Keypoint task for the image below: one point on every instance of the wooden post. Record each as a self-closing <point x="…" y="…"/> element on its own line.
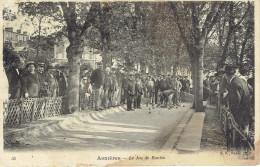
<point x="45" y="108"/>
<point x="235" y="141"/>
<point x="34" y="109"/>
<point x="21" y="112"/>
<point x="229" y="135"/>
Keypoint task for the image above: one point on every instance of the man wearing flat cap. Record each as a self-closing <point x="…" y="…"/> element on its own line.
<point x="31" y="85"/>
<point x="239" y="96"/>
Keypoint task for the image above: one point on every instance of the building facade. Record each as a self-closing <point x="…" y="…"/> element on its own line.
<point x="17" y="38"/>
<point x="89" y="56"/>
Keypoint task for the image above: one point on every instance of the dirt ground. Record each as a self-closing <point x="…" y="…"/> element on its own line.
<point x="135" y="130"/>
<point x="213" y="138"/>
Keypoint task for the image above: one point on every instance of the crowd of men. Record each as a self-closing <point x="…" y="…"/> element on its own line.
<point x="110" y="87"/>
<point x="113" y="87"/>
<point x="234" y="87"/>
<point x="35" y="80"/>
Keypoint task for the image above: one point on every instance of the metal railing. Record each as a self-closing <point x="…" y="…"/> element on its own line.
<point x="234" y="133"/>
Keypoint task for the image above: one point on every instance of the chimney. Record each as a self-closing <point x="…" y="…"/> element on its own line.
<point x="9" y="29"/>
<point x="25" y="33"/>
<point x="19" y="31"/>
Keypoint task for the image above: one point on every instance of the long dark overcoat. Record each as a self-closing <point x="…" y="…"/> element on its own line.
<point x="239" y="99"/>
<point x="31" y="85"/>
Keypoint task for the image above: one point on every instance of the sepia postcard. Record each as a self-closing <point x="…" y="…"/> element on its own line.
<point x="129" y="83"/>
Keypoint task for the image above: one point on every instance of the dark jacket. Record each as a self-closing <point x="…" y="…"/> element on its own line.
<point x="130" y="87"/>
<point x="63" y="84"/>
<point x="163" y="85"/>
<point x="31" y="85"/>
<point x="239" y="99"/>
<point x="96" y="78"/>
<point x="15" y="83"/>
<point x="156" y="84"/>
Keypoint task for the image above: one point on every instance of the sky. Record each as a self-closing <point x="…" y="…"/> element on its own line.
<point x="20" y="22"/>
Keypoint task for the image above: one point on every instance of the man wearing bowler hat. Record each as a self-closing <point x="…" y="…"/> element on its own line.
<point x="239" y="96"/>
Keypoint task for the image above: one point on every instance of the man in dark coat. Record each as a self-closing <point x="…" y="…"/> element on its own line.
<point x="14" y="76"/>
<point x="96" y="79"/>
<point x="138" y="91"/>
<point x="31" y="85"/>
<point x="239" y="100"/>
<point x="62" y="81"/>
<point x="42" y="79"/>
<point x="162" y="87"/>
<point x="130" y="91"/>
<point x="156" y="85"/>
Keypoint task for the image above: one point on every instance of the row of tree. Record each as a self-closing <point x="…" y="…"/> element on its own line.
<point x="154" y="34"/>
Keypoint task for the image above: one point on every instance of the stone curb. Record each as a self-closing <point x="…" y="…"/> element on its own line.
<point x="171" y="142"/>
<point x="190" y="139"/>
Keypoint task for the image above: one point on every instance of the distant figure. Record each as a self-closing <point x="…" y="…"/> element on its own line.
<point x="42" y="79"/>
<point x="138" y="91"/>
<point x="53" y="86"/>
<point x="85" y="92"/>
<point x="176" y="86"/>
<point x="107" y="89"/>
<point x="62" y="81"/>
<point x="130" y="92"/>
<point x="97" y="80"/>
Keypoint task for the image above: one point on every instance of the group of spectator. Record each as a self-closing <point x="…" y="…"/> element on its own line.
<point x="109" y="87"/>
<point x="234" y="88"/>
<point x="112" y="87"/>
<point x="35" y="80"/>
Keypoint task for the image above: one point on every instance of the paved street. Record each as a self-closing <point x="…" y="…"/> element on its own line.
<point x="127" y="130"/>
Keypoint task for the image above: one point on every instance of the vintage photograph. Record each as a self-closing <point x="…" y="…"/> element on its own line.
<point x="113" y="79"/>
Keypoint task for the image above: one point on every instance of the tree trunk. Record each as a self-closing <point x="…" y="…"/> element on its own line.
<point x="39" y="37"/>
<point x="74" y="53"/>
<point x="197" y="75"/>
<point x="199" y="93"/>
<point x="194" y="77"/>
